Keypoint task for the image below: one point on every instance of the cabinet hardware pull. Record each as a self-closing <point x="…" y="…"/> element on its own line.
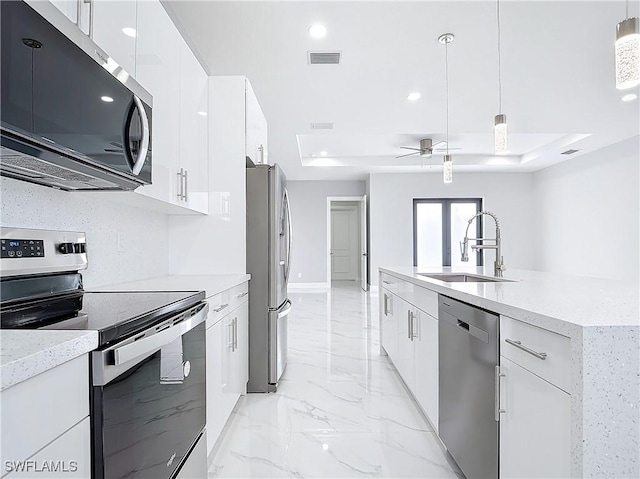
<point x="499" y="410"/>
<point x="519" y="345"/>
<point x="235" y="333"/>
<point x="241" y="295"/>
<point x="186" y="185"/>
<point x="180" y="184"/>
<point x="221" y="308"/>
<point x="410" y="325"/>
<point x="386" y="282"/>
<point x="414" y="324"/>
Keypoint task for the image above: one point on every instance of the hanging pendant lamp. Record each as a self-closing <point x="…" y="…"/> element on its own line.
<point x="501" y="144"/>
<point x="447" y="167"/>
<point x="627" y="52"/>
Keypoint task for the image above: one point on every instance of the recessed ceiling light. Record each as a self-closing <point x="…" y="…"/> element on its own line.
<point x="317" y="30"/>
<point x="107" y="99"/>
<point x="413" y="96"/>
<point x="130" y="32"/>
<point x="629" y="97"/>
<point x="202" y="113"/>
<point x="323" y="153"/>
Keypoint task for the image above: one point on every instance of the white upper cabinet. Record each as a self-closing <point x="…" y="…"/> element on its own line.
<point x="68" y="7"/>
<point x="157" y="70"/>
<point x="194" y="98"/>
<point x="115" y="30"/>
<point x="255" y="128"/>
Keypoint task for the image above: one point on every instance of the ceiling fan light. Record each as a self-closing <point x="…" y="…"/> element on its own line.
<point x="500" y="134"/>
<point x="627" y="54"/>
<point x="447" y="170"/>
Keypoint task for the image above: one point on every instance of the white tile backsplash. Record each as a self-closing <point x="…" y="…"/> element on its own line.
<point x="145" y="232"/>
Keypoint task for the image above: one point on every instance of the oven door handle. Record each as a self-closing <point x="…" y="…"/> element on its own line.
<point x="149" y="344"/>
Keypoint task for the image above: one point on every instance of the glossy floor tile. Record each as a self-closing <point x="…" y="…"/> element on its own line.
<point x="340" y="410"/>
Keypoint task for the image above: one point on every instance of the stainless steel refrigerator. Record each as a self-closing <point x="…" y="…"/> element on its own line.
<point x="268" y="262"/>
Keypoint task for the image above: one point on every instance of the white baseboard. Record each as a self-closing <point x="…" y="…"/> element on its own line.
<point x="309" y="286"/>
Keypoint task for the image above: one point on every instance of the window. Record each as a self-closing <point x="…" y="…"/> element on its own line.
<point x="438" y="228"/>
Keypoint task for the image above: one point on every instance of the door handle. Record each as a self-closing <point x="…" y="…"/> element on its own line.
<point x="410" y="325"/>
<point x="186" y="185"/>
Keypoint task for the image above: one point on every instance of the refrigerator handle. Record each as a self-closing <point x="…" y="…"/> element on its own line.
<point x="286" y="310"/>
<point x="289" y="235"/>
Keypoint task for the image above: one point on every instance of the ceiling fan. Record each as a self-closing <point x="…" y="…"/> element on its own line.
<point x="426" y="148"/>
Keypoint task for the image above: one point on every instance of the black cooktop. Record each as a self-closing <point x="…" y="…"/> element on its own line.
<point x="118" y="315"/>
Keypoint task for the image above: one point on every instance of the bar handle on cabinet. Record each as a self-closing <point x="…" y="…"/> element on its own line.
<point x="384" y="304"/>
<point x="217" y="310"/>
<point x="180" y="183"/>
<point x="410" y="325"/>
<point x="242" y="295"/>
<point x="498" y="403"/>
<point x="519" y="345"/>
<point x="235" y="333"/>
<point x="186" y="185"/>
<point x="414" y="324"/>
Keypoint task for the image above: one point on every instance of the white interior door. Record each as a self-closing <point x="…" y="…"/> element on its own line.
<point x="344" y="243"/>
<point x="364" y="252"/>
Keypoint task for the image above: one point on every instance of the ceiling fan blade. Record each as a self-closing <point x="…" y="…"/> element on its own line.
<point x="444" y="148"/>
<point x="408" y="148"/>
<point x="408" y="154"/>
<point x="437" y="145"/>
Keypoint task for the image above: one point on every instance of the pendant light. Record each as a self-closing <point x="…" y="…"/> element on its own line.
<point x="447" y="167"/>
<point x="627" y="52"/>
<point x="500" y="123"/>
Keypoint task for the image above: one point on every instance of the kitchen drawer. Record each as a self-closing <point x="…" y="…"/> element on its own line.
<point x="40" y="409"/>
<point x="389" y="282"/>
<point x="555" y="368"/>
<point x="219" y="306"/>
<point x="239" y="294"/>
<point x="422" y="298"/>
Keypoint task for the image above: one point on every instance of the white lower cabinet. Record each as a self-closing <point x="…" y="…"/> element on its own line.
<point x="426" y="360"/>
<point x="227" y="368"/>
<point x="535" y="432"/>
<point x="409" y="335"/>
<point x="46" y="419"/>
<point x="389" y="329"/>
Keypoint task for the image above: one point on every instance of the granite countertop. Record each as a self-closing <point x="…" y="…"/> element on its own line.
<point x="211" y="284"/>
<point x="24" y="354"/>
<point x="552" y="301"/>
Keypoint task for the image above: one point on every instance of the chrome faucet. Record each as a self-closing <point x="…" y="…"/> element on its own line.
<point x="498" y="265"/>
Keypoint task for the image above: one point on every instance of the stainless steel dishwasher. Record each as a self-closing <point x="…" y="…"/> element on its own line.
<point x="468" y="355"/>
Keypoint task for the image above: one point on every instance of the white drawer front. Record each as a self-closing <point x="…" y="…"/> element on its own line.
<point x="389" y="282"/>
<point x="239" y="294"/>
<point x="535" y="342"/>
<point x="219" y="306"/>
<point x="40" y="409"/>
<point x="68" y="457"/>
<point x="422" y="298"/>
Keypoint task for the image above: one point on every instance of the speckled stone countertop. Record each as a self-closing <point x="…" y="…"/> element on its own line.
<point x="211" y="284"/>
<point x="602" y="318"/>
<point x="24" y="354"/>
<point x="556" y="302"/>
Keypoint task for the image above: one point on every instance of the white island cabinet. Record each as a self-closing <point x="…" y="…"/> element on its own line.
<point x="566" y="385"/>
<point x="409" y="332"/>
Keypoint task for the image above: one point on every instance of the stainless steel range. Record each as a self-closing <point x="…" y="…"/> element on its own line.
<point x="148" y="375"/>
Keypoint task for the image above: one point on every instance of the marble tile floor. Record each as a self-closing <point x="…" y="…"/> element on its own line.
<point x="340" y="410"/>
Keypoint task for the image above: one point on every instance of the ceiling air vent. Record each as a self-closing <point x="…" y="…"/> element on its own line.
<point x="569" y="152"/>
<point x="324" y="58"/>
<point x="322" y="126"/>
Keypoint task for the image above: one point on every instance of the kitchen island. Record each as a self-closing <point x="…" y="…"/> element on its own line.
<point x="595" y="320"/>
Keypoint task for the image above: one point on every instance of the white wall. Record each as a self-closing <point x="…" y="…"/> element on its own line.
<point x="508" y="195"/>
<point x="587" y="214"/>
<point x="216" y="243"/>
<point x="309" y="219"/>
<point x="146" y="249"/>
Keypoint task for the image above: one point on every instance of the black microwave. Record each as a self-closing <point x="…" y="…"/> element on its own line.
<point x="71" y="117"/>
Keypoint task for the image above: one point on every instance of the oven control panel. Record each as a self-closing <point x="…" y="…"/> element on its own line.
<point x="21" y="248"/>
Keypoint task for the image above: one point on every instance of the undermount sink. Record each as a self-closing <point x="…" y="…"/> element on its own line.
<point x="463" y="278"/>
